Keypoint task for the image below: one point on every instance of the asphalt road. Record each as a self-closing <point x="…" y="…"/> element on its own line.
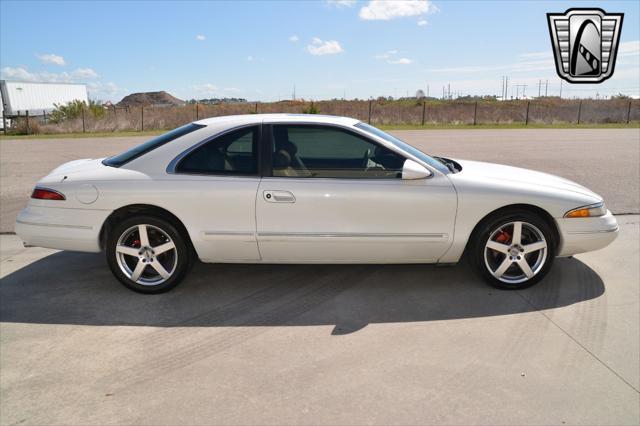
<point x="296" y="344"/>
<point x="605" y="160"/>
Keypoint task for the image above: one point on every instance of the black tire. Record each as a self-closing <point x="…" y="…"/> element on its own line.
<point x="502" y="223"/>
<point x="159" y="231"/>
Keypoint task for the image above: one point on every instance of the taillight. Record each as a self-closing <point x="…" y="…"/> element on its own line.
<point x="47" y="194"/>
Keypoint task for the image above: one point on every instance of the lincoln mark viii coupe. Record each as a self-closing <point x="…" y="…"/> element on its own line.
<point x="288" y="188"/>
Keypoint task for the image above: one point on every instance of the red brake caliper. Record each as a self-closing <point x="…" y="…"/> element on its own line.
<point x="503" y="237"/>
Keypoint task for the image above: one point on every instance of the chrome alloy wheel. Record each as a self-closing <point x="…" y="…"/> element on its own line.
<point x="146" y="255"/>
<point x="515" y="252"/>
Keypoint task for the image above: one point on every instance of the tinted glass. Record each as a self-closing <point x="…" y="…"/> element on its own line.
<point x="231" y="154"/>
<point x="329" y="152"/>
<point x="404" y="146"/>
<point x="137" y="151"/>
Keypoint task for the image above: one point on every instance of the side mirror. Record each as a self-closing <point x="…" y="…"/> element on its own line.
<point x="412" y="170"/>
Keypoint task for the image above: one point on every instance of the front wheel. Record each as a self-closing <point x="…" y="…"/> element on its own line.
<point x="514" y="251"/>
<point x="147" y="254"/>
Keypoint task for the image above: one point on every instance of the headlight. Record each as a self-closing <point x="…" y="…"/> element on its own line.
<point x="594" y="210"/>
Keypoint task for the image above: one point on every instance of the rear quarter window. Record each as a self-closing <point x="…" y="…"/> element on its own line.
<point x="150" y="145"/>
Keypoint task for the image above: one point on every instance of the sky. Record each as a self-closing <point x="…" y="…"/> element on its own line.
<point x="259" y="50"/>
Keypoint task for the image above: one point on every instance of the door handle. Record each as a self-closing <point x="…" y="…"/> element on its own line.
<point x="279" y="196"/>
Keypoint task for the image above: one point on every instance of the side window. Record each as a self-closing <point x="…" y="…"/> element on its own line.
<point x="328" y="152"/>
<point x="230" y="154"/>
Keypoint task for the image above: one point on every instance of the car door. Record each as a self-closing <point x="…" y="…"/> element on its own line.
<point x="213" y="189"/>
<point x="335" y="196"/>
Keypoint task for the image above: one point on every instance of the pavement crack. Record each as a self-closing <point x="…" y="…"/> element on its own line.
<point x="577" y="342"/>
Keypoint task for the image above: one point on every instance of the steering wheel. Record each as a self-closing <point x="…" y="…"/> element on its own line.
<point x="365" y="159"/>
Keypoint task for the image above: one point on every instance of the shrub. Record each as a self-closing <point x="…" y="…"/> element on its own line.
<point x="310" y="110"/>
<point x="74" y="109"/>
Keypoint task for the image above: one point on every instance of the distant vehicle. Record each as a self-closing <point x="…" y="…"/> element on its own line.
<point x="307" y="189"/>
<point x="18" y="97"/>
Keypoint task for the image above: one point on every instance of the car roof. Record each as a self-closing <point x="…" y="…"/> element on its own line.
<point x="275" y="118"/>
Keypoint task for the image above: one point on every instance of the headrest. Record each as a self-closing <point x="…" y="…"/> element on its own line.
<point x="281" y="159"/>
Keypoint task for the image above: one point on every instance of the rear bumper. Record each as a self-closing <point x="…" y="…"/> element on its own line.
<point x="61" y="228"/>
<point x="580" y="235"/>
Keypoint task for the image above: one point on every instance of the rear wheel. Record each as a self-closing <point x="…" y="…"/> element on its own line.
<point x="514" y="250"/>
<point x="147" y="254"/>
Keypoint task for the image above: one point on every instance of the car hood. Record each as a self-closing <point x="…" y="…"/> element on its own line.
<point x="518" y="175"/>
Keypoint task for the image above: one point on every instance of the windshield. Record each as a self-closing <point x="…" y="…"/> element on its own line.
<point x="137" y="151"/>
<point x="404" y="146"/>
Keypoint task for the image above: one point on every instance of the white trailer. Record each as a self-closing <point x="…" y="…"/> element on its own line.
<point x="38" y="98"/>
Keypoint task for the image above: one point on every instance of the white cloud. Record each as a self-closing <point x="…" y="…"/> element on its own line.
<point x="201" y="37"/>
<point x="294" y="38"/>
<point x="249" y="58"/>
<point x="23" y="74"/>
<point x="50" y="58"/>
<point x="84" y="73"/>
<point x="98" y="90"/>
<point x="401" y="61"/>
<point x="341" y="3"/>
<point x="319" y="47"/>
<point x="422" y="23"/>
<point x="390" y="57"/>
<point x="205" y="89"/>
<point x="629" y="48"/>
<point x="209" y="89"/>
<point x="386" y="54"/>
<point x="383" y="10"/>
<point x="519" y="66"/>
<point x="536" y="55"/>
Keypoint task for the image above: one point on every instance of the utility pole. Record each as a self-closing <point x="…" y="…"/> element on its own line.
<point x="506" y="86"/>
<point x="539" y="87"/>
<point x="293" y="96"/>
<point x="560" y="89"/>
<point x="546" y="87"/>
<point x="449" y="90"/>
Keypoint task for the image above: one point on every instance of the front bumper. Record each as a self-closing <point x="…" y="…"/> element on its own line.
<point x="61" y="228"/>
<point x="580" y="235"/>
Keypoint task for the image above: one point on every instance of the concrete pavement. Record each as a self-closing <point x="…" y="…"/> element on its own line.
<point x="296" y="344"/>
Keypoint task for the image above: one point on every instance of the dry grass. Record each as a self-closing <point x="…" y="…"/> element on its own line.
<point x="551" y="111"/>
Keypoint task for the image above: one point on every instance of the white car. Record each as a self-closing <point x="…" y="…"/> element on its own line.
<point x="288" y="188"/>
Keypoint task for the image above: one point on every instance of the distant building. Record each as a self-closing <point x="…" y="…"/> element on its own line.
<point x="18" y="97"/>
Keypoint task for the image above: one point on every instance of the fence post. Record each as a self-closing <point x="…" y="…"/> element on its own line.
<point x="142" y="119"/>
<point x="423" y="111"/>
<point x="44" y="113"/>
<point x="28" y="130"/>
<point x="115" y="114"/>
<point x="369" y="120"/>
<point x="526" y="120"/>
<point x="197" y="112"/>
<point x="629" y="112"/>
<point x="256" y="111"/>
<point x="83" y="126"/>
<point x="579" y="111"/>
<point x="475" y="113"/>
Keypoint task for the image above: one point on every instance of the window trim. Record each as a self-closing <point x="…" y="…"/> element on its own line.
<point x="173" y="164"/>
<point x="269" y="140"/>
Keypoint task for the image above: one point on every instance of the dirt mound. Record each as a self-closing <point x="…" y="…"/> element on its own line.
<point x="148" y="99"/>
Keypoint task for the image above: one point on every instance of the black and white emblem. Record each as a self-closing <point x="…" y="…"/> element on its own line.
<point x="585" y="44"/>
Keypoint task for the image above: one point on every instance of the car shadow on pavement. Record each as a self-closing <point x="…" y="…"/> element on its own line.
<point x="78" y="288"/>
